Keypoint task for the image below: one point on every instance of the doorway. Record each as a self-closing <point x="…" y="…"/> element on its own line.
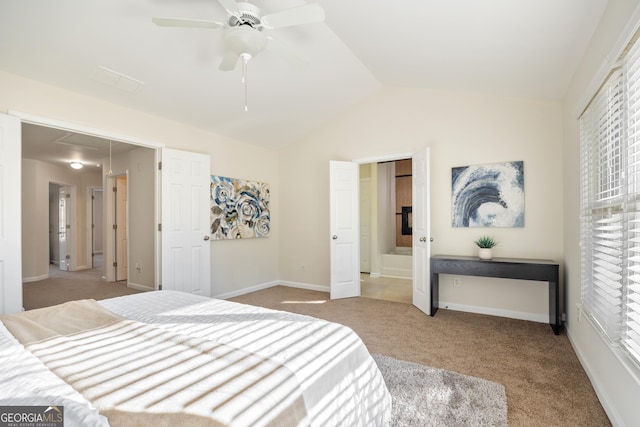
<point x="46" y="155"/>
<point x="385" y="230"/>
<point x="60" y="225"/>
<point x="97" y="226"/>
<point x="344" y="226"/>
<point x="120" y="247"/>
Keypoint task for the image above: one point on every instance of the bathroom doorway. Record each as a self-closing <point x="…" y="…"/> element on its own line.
<point x="386" y="261"/>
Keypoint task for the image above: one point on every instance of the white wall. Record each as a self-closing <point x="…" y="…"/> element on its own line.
<point x="235" y="264"/>
<point x="461" y="129"/>
<point x="617" y="383"/>
<point x="36" y="177"/>
<point x="140" y="169"/>
<point x="142" y="229"/>
<point x="386" y="207"/>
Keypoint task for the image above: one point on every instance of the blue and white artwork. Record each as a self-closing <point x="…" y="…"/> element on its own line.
<point x="239" y="208"/>
<point x="488" y="195"/>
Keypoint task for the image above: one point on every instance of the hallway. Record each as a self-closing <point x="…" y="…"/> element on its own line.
<point x="63" y="286"/>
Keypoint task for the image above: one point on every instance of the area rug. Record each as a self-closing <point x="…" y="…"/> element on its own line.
<point x="425" y="396"/>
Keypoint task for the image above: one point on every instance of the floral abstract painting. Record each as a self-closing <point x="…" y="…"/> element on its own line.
<point x="488" y="195"/>
<point x="239" y="208"/>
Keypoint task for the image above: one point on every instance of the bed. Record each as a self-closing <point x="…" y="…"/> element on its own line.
<point x="172" y="358"/>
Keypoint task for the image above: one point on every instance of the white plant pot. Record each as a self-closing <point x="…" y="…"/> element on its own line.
<point x="485" y="253"/>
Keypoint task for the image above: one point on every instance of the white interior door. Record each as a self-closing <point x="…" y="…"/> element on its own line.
<point x="63" y="227"/>
<point x="122" y="245"/>
<point x="97" y="203"/>
<point x="344" y="227"/>
<point x="421" y="231"/>
<point x="10" y="220"/>
<point x="186" y="250"/>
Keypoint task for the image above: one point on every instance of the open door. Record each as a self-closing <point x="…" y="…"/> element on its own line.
<point x="120" y="228"/>
<point x="186" y="250"/>
<point x="64" y="227"/>
<point x="344" y="227"/>
<point x="97" y="229"/>
<point x="10" y="220"/>
<point x="421" y="231"/>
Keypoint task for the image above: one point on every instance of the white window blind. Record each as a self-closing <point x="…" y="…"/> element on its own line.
<point x="610" y="205"/>
<point x="602" y="205"/>
<point x="631" y="302"/>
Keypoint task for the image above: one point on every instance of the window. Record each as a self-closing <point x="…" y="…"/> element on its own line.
<point x="610" y="205"/>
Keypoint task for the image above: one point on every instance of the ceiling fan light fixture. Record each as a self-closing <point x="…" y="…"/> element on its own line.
<point x="244" y="39"/>
<point x="76" y="165"/>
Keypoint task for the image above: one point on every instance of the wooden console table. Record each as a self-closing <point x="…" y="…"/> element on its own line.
<point x="507" y="268"/>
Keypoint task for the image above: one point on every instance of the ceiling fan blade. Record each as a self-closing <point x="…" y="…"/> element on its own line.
<point x="304" y="14"/>
<point x="186" y="23"/>
<point x="229" y="61"/>
<point x="285" y="51"/>
<point x="231" y="7"/>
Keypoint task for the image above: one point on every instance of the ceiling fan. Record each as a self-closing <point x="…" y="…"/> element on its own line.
<point x="243" y="29"/>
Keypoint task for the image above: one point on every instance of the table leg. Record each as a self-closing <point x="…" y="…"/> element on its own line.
<point x="554" y="307"/>
<point x="434" y="293"/>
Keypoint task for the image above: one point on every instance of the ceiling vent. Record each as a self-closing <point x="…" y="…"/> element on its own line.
<point x="117" y="80"/>
<point x="86" y="142"/>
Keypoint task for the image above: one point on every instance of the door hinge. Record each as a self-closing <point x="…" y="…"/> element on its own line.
<point x="160" y="287"/>
<point x="115" y="226"/>
<point x="115" y="189"/>
<point x="115" y="264"/>
<point x="159" y="166"/>
<point x="159" y="227"/>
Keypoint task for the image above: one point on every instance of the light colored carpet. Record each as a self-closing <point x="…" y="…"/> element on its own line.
<point x="544" y="381"/>
<point x="63" y="286"/>
<point x="429" y="397"/>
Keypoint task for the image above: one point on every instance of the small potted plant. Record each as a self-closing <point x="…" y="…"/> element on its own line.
<point x="485" y="243"/>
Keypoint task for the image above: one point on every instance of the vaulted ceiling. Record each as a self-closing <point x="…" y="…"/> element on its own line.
<point x="112" y="50"/>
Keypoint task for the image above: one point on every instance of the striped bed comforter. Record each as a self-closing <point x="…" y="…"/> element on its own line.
<point x="174" y="358"/>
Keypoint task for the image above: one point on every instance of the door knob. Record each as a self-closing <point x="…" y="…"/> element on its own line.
<point x="334" y="237"/>
<point x="206" y="237"/>
<point x="423" y="239"/>
<point x="431" y="239"/>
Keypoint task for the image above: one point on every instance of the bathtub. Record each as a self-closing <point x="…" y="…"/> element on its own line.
<point x="398" y="263"/>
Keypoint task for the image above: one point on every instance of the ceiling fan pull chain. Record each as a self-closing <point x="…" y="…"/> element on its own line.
<point x="245" y="60"/>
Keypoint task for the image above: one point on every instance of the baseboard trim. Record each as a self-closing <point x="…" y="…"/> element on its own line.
<point x="520" y="315"/>
<point x="399" y="273"/>
<point x="601" y="392"/>
<point x="541" y="318"/>
<point x="267" y="285"/>
<point x="139" y="287"/>
<point x="34" y="278"/>
<point x="248" y="290"/>
<point x="607" y="400"/>
<point x="309" y="286"/>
